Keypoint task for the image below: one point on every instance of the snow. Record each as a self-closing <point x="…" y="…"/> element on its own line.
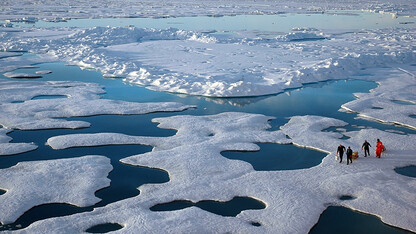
<point x="303" y="194"/>
<point x="73" y="181"/>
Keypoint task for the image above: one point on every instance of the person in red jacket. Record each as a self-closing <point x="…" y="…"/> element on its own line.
<point x="379" y="148"/>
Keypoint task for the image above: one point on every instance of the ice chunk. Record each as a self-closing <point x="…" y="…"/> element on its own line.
<point x="43" y="72"/>
<point x="71" y="181"/>
<point x="304" y="35"/>
<point x="21" y="75"/>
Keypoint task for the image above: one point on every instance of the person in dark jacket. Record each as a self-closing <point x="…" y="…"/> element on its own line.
<point x="349" y="155"/>
<point x="340" y="152"/>
<point x="366" y="146"/>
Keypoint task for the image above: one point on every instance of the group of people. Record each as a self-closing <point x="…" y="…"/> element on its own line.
<point x="366" y="147"/>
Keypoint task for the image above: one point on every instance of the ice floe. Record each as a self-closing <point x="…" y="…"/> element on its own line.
<point x="43" y="72"/>
<point x="73" y="181"/>
<point x="198" y="172"/>
<point x="381" y="104"/>
<point x="21" y="75"/>
<point x="18" y="111"/>
<point x="7" y="148"/>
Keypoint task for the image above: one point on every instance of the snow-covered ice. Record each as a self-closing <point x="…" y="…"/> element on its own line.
<point x="43" y="72"/>
<point x="18" y="111"/>
<point x="7" y="148"/>
<point x="73" y="181"/>
<point x="399" y="85"/>
<point x="303" y="194"/>
<point x="21" y="75"/>
<point x="205" y="63"/>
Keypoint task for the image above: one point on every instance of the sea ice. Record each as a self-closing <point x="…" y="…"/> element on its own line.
<point x="44" y="72"/>
<point x="9" y="54"/>
<point x="21" y="75"/>
<point x="73" y="181"/>
<point x="200" y="63"/>
<point x="206" y="175"/>
<point x="53" y="10"/>
<point x="18" y="111"/>
<point x="396" y="84"/>
<point x="16" y="60"/>
<point x="7" y="148"/>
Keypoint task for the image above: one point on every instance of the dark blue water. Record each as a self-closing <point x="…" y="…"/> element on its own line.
<point x="407" y="171"/>
<point x="49" y="97"/>
<point x="346" y="197"/>
<point x="229" y="208"/>
<point x="104" y="228"/>
<point x="338" y="219"/>
<point x="125" y="179"/>
<point x="277" y="157"/>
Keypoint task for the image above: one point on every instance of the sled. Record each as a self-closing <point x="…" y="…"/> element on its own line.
<point x="354" y="155"/>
